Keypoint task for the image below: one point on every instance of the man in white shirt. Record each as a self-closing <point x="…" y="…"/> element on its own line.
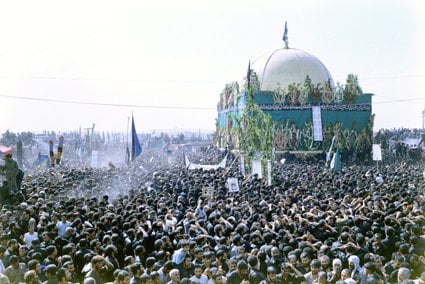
<point x="199" y="277"/>
<point x="30" y="236"/>
<point x="62" y="225"/>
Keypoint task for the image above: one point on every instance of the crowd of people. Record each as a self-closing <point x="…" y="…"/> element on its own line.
<point x="151" y="223"/>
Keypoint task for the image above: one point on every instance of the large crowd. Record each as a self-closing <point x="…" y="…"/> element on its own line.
<point x="150" y="222"/>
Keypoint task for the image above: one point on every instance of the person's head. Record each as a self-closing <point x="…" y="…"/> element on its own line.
<point x="243" y="268"/>
<point x="207" y="258"/>
<point x="322" y="277"/>
<point x="232" y="263"/>
<point x="293" y="259"/>
<point x="31" y="277"/>
<point x="315" y="266"/>
<point x="369" y="268"/>
<point x="324" y="261"/>
<point x="252" y="261"/>
<point x="185" y="245"/>
<point x="275" y="252"/>
<point x="8" y="157"/>
<point x="337" y="265"/>
<point x="23" y="250"/>
<point x="198" y="252"/>
<point x="97" y="262"/>
<point x="353" y="262"/>
<point x="62" y="275"/>
<point x="271" y="273"/>
<point x="50" y="271"/>
<point x="285" y="270"/>
<point x="51" y="251"/>
<point x="240" y="250"/>
<point x="197" y="270"/>
<point x="187" y="261"/>
<point x="403" y="274"/>
<point x="123" y="277"/>
<point x="135" y="269"/>
<point x="34" y="264"/>
<point x="174" y="275"/>
<point x="219" y="278"/>
<point x="345" y="273"/>
<point x="150" y="262"/>
<point x="305" y="259"/>
<point x="156" y="279"/>
<point x="12" y="244"/>
<point x="14" y="261"/>
<point x="69" y="265"/>
<point x="146" y="279"/>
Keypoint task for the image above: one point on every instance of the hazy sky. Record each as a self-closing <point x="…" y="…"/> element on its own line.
<point x="182" y="53"/>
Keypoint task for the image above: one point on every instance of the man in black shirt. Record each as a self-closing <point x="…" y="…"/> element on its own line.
<point x="241" y="275"/>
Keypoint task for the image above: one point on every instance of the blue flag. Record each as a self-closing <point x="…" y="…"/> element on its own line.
<point x="136" y="148"/>
<point x="44" y="161"/>
<point x="285" y="33"/>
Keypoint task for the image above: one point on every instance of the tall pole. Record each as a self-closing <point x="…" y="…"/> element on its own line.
<point x="128" y="123"/>
<point x="127" y="149"/>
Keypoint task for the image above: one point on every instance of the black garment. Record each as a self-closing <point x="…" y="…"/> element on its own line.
<point x="390" y="243"/>
<point x="380" y="249"/>
<point x="276" y="262"/>
<point x="256" y="276"/>
<point x="185" y="272"/>
<point x="109" y="273"/>
<point x="302" y="269"/>
<point x="39" y="249"/>
<point x="291" y="279"/>
<point x="79" y="260"/>
<point x="49" y="260"/>
<point x="5" y="196"/>
<point x="321" y="234"/>
<point x="235" y="278"/>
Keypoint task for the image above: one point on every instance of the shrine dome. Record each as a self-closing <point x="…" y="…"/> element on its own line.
<point x="289" y="65"/>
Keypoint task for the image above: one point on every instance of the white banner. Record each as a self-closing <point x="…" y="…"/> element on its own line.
<point x="222" y="164"/>
<point x="256" y="168"/>
<point x="376" y="152"/>
<point x="317" y="123"/>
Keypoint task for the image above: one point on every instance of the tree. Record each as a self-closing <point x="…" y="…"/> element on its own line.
<point x="254" y="130"/>
<point x="352" y="89"/>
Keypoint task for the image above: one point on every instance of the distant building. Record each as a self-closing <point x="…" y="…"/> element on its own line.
<point x="297" y="90"/>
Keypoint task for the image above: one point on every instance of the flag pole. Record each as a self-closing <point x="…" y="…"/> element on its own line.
<point x="127" y="150"/>
<point x="128" y="125"/>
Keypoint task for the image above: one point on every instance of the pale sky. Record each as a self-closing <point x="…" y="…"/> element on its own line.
<point x="182" y="53"/>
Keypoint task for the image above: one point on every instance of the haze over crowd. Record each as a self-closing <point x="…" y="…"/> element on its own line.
<point x="56" y="57"/>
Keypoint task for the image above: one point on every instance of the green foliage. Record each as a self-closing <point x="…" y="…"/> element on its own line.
<point x="254" y="130"/>
<point x="320" y="93"/>
<point x="352" y="89"/>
